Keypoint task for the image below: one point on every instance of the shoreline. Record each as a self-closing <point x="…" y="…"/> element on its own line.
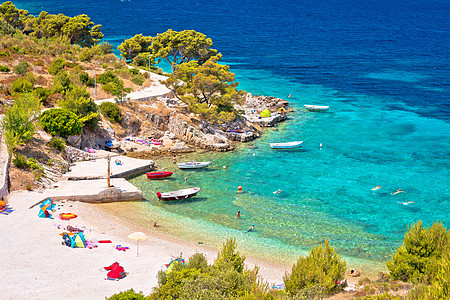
<point x="35" y="254"/>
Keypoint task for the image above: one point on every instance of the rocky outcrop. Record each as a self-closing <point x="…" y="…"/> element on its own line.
<point x="255" y="104"/>
<point x="206" y="139"/>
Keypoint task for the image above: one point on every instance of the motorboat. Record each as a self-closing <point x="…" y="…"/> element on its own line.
<point x="194" y="164"/>
<point x="287" y="145"/>
<point x="157" y="175"/>
<point x="178" y="195"/>
<point x="316" y="107"/>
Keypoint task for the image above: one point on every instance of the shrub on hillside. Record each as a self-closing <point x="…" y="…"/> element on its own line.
<point x="111" y="111"/>
<point x="138" y="79"/>
<point x="86" y="80"/>
<point x="417" y="259"/>
<point x="4" y="68"/>
<point x="60" y="122"/>
<point x="20" y="161"/>
<point x="127" y="295"/>
<point x="57" y="143"/>
<point x="321" y="269"/>
<point x="61" y="83"/>
<point x="21" y="85"/>
<point x="57" y="65"/>
<point x="42" y="94"/>
<point x="107" y="77"/>
<point x="225" y="279"/>
<point x="21" y="68"/>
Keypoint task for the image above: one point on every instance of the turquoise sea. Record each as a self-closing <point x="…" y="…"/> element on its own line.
<point x="382" y="67"/>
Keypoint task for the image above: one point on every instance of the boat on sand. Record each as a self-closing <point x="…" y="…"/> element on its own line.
<point x="178" y="195"/>
<point x="316" y="107"/>
<point x="157" y="175"/>
<point x="287" y="145"/>
<point x="194" y="164"/>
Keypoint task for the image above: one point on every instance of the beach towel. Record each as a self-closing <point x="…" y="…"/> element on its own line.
<point x="6" y="210"/>
<point x="104" y="241"/>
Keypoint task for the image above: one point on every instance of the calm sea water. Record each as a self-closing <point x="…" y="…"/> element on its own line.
<point x="384" y="69"/>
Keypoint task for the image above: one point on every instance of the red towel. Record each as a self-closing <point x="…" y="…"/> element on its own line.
<point x="104" y="241"/>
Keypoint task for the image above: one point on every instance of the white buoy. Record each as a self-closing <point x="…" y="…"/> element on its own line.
<point x="253" y="154"/>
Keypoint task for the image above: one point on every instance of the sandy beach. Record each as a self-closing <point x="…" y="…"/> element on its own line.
<point x="37" y="266"/>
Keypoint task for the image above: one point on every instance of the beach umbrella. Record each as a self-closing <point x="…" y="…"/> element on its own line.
<point x="138" y="236"/>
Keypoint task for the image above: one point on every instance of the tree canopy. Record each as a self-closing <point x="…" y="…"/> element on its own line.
<point x="181" y="47"/>
<point x="19" y="121"/>
<point x="132" y="47"/>
<point x="79" y="29"/>
<point x="417" y="259"/>
<point x="322" y="268"/>
<point x="208" y="89"/>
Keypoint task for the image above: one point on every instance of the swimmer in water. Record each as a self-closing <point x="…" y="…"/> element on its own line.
<point x="407" y="203"/>
<point x="251" y="228"/>
<point x="277" y="192"/>
<point x="399" y="191"/>
<point x="376" y="188"/>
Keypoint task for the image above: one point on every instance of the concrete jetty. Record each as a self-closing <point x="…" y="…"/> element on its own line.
<point x="87" y="181"/>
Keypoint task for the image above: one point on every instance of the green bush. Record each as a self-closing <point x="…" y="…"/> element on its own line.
<point x="111" y="88"/>
<point x="21" y="68"/>
<point x="20" y="161"/>
<point x="226" y="279"/>
<point x="134" y="71"/>
<point x="4" y="68"/>
<point x="61" y="82"/>
<point x="57" y="65"/>
<point x="57" y="143"/>
<point x="107" y="77"/>
<point x="21" y="85"/>
<point x="112" y="111"/>
<point x="141" y="60"/>
<point x="61" y="122"/>
<point x="33" y="164"/>
<point x="42" y="94"/>
<point x="417" y="259"/>
<point x="86" y="80"/>
<point x="105" y="48"/>
<point x="127" y="295"/>
<point x="138" y="79"/>
<point x="322" y="267"/>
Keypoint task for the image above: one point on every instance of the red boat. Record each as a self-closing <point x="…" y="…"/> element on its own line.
<point x="156" y="175"/>
<point x="178" y="195"/>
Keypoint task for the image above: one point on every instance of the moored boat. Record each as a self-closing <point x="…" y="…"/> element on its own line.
<point x="178" y="195"/>
<point x="287" y="145"/>
<point x="316" y="107"/>
<point x="194" y="164"/>
<point x="157" y="175"/>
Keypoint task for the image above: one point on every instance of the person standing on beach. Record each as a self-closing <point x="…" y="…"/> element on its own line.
<point x="174" y="159"/>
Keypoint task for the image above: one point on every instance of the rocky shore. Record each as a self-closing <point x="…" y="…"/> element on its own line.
<point x="167" y="121"/>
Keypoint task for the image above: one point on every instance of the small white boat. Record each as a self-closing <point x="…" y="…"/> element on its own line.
<point x="316" y="107"/>
<point x="288" y="145"/>
<point x="178" y="195"/>
<point x="194" y="164"/>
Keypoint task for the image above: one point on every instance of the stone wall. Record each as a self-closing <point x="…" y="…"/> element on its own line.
<point x="5" y="160"/>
